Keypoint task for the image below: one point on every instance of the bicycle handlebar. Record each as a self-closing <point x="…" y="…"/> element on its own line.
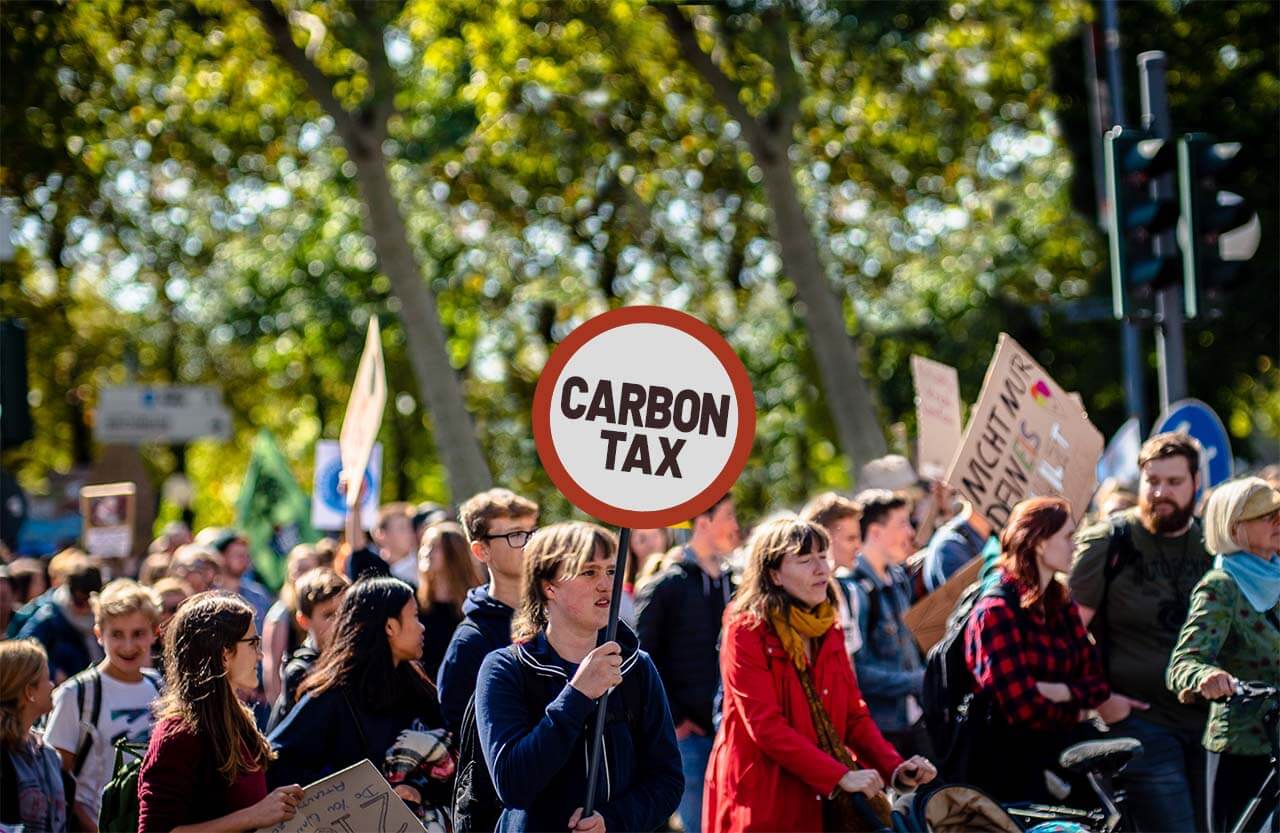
<point x="1245" y="691"/>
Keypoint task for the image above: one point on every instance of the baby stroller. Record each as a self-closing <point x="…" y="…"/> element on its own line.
<point x="958" y="808"/>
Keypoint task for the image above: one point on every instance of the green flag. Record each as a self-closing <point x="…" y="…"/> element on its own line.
<point x="272" y="512"/>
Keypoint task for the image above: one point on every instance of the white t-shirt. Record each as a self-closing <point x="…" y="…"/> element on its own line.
<point x="125" y="712"/>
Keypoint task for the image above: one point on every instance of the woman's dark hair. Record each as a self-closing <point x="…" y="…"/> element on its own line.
<point x="359" y="655"/>
<point x="1032" y="522"/>
<point x="198" y="690"/>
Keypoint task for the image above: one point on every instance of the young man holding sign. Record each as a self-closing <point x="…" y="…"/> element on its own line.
<point x="536" y="701"/>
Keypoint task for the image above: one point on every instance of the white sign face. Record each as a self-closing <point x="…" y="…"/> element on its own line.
<point x="364" y="408"/>
<point x="356" y="799"/>
<point x="644" y="414"/>
<point x="136" y="414"/>
<point x="937" y="415"/>
<point x="328" y="504"/>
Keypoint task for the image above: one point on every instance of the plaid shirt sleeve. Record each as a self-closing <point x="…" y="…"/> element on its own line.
<point x="1002" y="661"/>
<point x="1089" y="689"/>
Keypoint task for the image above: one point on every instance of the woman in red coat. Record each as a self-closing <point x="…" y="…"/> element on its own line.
<point x="796" y="732"/>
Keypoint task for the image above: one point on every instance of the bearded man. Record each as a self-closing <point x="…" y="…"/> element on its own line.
<point x="1132" y="579"/>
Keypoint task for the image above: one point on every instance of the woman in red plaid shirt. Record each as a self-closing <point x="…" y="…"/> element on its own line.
<point x="1038" y="674"/>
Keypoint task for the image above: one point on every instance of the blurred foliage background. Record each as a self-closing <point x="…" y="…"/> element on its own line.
<point x="209" y="192"/>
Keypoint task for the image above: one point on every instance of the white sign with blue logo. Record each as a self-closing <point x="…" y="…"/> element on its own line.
<point x="328" y="505"/>
<point x="1198" y="419"/>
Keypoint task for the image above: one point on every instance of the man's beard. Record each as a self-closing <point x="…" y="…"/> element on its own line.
<point x="1158" y="524"/>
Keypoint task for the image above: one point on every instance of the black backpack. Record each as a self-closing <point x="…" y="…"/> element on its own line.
<point x="948" y="682"/>
<point x="476" y="806"/>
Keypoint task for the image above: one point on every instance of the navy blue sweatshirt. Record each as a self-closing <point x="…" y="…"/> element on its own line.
<point x="537" y="751"/>
<point x="485" y="627"/>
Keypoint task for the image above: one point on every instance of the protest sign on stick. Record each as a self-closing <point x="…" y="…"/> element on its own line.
<point x="364" y="411"/>
<point x="1026" y="437"/>
<point x="938" y="425"/>
<point x="355" y="800"/>
<point x="643" y="417"/>
<point x="108" y="511"/>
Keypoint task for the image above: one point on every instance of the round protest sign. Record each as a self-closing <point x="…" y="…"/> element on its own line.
<point x="644" y="417"/>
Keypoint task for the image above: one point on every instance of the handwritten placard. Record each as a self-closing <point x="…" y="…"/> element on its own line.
<point x="356" y="800"/>
<point x="937" y="415"/>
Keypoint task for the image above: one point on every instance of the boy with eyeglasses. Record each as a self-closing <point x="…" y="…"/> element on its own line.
<point x="498" y="524"/>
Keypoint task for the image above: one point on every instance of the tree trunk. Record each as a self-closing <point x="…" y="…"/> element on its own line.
<point x="424" y="337"/>
<point x="362" y="137"/>
<point x="768" y="138"/>
<point x="839" y="364"/>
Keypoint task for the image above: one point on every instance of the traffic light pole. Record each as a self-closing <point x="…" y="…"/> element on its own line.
<point x="1170" y="349"/>
<point x="1130" y="333"/>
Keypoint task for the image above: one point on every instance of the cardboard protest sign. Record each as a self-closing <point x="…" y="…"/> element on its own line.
<point x="108" y="512"/>
<point x="364" y="409"/>
<point x="644" y="417"/>
<point x="328" y="503"/>
<point x="927" y="618"/>
<point x="1026" y="438"/>
<point x="355" y="800"/>
<point x="938" y="425"/>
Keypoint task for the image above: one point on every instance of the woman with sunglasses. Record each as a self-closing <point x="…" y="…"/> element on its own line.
<point x="205" y="767"/>
<point x="1232" y="633"/>
<point x="368" y="697"/>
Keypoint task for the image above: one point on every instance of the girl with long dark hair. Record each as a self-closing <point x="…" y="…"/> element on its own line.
<point x="205" y="767"/>
<point x="368" y="697"/>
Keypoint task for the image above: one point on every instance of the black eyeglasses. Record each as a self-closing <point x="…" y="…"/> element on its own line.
<point x="516" y="539"/>
<point x="255" y="642"/>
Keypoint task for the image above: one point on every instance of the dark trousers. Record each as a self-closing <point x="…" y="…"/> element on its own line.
<point x="1233" y="781"/>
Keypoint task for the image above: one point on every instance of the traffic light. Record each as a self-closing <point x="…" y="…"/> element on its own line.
<point x="1135" y="159"/>
<point x="1218" y="231"/>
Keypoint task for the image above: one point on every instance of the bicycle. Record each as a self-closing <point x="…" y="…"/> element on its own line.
<point x="1251" y="692"/>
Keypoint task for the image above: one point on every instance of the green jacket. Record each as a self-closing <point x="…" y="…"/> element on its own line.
<point x="1224" y="632"/>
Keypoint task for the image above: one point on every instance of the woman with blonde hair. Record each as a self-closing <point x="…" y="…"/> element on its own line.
<point x="446" y="571"/>
<point x="32" y="790"/>
<point x="206" y="764"/>
<point x="795" y="726"/>
<point x="1232" y="633"/>
<point x="536" y="701"/>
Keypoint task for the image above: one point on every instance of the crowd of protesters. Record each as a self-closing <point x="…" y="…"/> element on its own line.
<point x="763" y="681"/>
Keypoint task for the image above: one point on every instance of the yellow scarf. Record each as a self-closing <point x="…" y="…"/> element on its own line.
<point x="801" y="625"/>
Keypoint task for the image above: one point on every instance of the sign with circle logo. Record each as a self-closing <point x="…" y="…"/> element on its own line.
<point x="644" y="417"/>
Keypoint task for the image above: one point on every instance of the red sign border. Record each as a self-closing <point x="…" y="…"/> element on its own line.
<point x="625" y="316"/>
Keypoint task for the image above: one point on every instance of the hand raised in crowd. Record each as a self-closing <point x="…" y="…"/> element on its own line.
<point x="1117" y="707"/>
<point x="1056" y="692"/>
<point x="865" y="781"/>
<point x="281" y="804"/>
<point x="1217" y="686"/>
<point x="600" y="671"/>
<point x="913" y="772"/>
<point x="593" y="823"/>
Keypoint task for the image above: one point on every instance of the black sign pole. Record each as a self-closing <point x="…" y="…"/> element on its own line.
<point x="610" y="633"/>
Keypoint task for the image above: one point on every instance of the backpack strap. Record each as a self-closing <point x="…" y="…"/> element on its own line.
<point x="89" y="700"/>
<point x="1120" y="551"/>
<point x="153" y="676"/>
<point x="873" y="604"/>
